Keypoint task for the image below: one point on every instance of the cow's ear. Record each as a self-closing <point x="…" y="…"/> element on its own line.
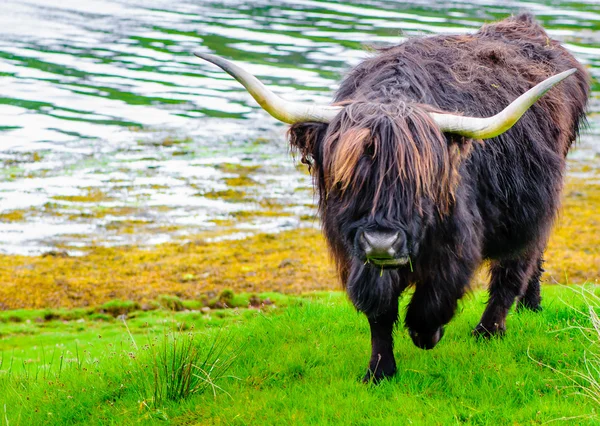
<point x="306" y="139"/>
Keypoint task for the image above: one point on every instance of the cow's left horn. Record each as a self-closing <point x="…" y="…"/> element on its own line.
<point x="485" y="128"/>
<point x="282" y="110"/>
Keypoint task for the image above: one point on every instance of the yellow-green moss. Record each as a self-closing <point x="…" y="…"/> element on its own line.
<point x="93" y="195"/>
<point x="261" y="141"/>
<point x="167" y="142"/>
<point x="137" y="274"/>
<point x="271" y="203"/>
<point x="238" y="168"/>
<point x="127" y="226"/>
<point x="227" y="195"/>
<point x="290" y="262"/>
<point x="12" y="216"/>
<point x="242" y="171"/>
<point x="98" y="212"/>
<point x="244" y="214"/>
<point x="573" y="254"/>
<point x="164" y="229"/>
<point x="240" y="181"/>
<point x="223" y="223"/>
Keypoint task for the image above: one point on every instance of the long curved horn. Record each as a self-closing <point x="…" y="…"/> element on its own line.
<point x="282" y="110"/>
<point x="485" y="128"/>
<point x="472" y="127"/>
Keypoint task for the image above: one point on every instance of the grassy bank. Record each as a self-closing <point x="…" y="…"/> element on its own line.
<point x="290" y="262"/>
<point x="299" y="364"/>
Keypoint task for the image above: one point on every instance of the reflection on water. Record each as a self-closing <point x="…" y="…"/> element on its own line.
<point x="112" y="133"/>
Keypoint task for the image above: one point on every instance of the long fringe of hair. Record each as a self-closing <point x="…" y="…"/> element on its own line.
<point x="391" y="147"/>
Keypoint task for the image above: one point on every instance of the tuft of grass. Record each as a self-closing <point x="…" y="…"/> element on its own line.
<point x="183" y="365"/>
<point x="118" y="307"/>
<point x="172" y="303"/>
<point x="81" y="383"/>
<point x="224" y="300"/>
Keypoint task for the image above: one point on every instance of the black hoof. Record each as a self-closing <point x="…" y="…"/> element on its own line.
<point x="426" y="340"/>
<point x="380" y="369"/>
<point x="487" y="332"/>
<point x="377" y="375"/>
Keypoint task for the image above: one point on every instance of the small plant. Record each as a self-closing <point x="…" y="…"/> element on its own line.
<point x="51" y="316"/>
<point x="15" y="318"/>
<point x="224" y="300"/>
<point x="183" y="364"/>
<point x="254" y="301"/>
<point x="226" y="296"/>
<point x="172" y="303"/>
<point x="116" y="308"/>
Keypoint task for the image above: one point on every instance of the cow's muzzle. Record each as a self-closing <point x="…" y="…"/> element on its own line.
<point x="384" y="248"/>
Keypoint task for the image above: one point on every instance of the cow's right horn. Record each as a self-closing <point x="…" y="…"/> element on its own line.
<point x="282" y="110"/>
<point x="486" y="128"/>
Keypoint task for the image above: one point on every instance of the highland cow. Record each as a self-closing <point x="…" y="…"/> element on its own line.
<point x="438" y="154"/>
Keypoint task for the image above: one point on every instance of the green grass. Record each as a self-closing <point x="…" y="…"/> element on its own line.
<point x="299" y="364"/>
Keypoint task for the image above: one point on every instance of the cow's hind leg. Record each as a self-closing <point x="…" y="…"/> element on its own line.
<point x="532" y="298"/>
<point x="382" y="363"/>
<point x="510" y="279"/>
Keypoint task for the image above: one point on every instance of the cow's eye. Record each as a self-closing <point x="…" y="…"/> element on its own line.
<point x="370" y="151"/>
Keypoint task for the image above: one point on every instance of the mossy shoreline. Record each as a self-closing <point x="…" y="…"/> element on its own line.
<point x="290" y="262"/>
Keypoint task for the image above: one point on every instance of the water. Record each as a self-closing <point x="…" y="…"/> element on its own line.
<point x="113" y="133"/>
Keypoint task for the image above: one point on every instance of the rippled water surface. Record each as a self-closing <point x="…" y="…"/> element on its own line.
<point x="113" y="133"/>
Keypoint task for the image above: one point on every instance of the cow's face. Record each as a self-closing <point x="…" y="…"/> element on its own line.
<point x="387" y="173"/>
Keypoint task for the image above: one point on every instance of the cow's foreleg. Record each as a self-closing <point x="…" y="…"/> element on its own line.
<point x="432" y="306"/>
<point x="510" y="279"/>
<point x="382" y="363"/>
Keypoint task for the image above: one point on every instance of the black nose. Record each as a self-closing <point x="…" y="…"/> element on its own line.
<point x="379" y="245"/>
